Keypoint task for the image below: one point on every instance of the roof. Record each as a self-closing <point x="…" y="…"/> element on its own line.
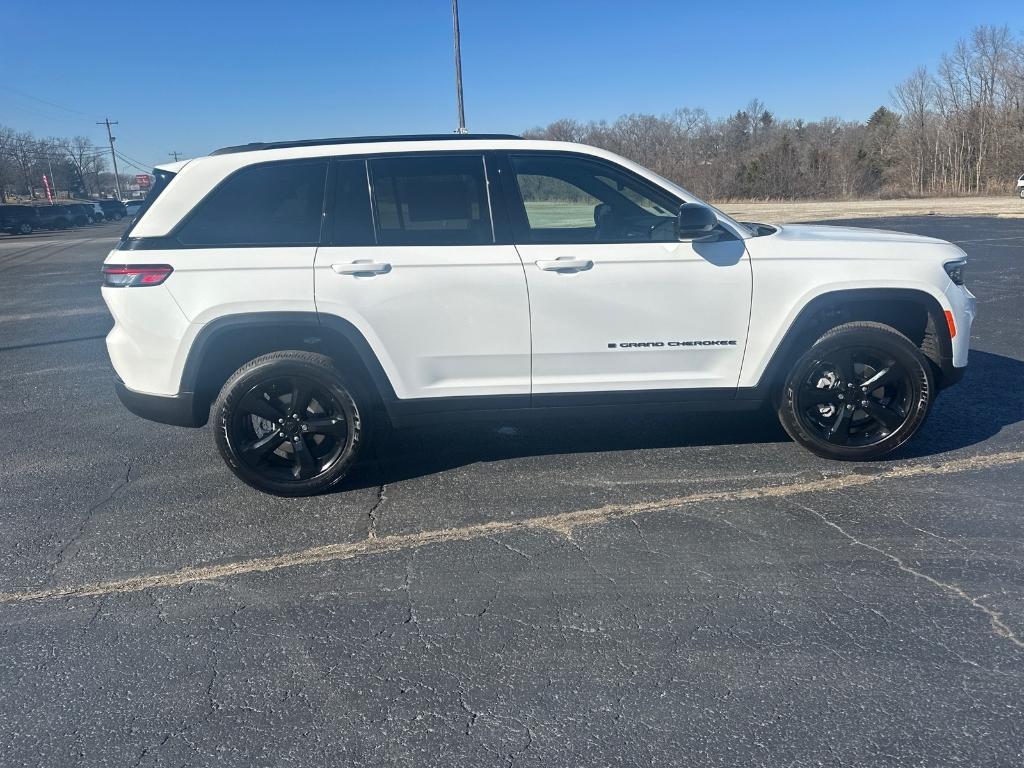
<point x="258" y="145"/>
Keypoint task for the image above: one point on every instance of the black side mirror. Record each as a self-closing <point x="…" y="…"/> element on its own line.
<point x="695" y="221"/>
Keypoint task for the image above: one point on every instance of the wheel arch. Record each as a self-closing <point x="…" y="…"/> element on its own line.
<point x="914" y="312"/>
<point x="228" y="342"/>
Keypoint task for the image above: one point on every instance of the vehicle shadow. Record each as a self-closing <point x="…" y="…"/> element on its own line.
<point x="989" y="398"/>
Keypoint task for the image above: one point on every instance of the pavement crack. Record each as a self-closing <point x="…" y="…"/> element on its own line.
<point x="71" y="546"/>
<point x="999" y="627"/>
<point x="382" y="496"/>
<point x="558" y="522"/>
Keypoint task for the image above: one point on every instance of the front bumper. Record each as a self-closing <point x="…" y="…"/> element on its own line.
<point x="179" y="410"/>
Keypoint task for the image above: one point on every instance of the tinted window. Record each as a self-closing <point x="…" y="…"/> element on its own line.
<point x="440" y="200"/>
<point x="575" y="200"/>
<point x="353" y="222"/>
<point x="276" y="204"/>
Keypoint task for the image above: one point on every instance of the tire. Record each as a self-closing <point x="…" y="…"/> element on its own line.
<point x="1022" y="193"/>
<point x="287" y="423"/>
<point x="24" y="228"/>
<point x="827" y="409"/>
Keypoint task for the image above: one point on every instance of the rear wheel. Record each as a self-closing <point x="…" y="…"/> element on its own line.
<point x="24" y="228"/>
<point x="287" y="424"/>
<point x="861" y="391"/>
<point x="1022" y="193"/>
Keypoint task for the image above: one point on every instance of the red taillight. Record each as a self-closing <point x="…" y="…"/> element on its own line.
<point x="132" y="275"/>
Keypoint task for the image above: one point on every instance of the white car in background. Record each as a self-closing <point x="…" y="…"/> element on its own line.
<point x="133" y="206"/>
<point x="1020" y="186"/>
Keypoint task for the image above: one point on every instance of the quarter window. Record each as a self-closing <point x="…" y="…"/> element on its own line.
<point x="439" y="200"/>
<point x="575" y="200"/>
<point x="277" y="204"/>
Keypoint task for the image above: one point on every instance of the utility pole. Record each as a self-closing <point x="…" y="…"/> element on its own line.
<point x="49" y="165"/>
<point x="458" y="68"/>
<point x="174" y="154"/>
<point x="113" y="156"/>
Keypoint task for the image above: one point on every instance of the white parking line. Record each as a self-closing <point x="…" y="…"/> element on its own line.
<point x="562" y="523"/>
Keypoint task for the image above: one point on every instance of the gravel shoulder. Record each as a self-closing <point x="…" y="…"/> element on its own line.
<point x="782" y="212"/>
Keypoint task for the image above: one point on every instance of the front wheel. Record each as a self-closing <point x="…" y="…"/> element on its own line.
<point x="287" y="423"/>
<point x="862" y="390"/>
<point x="24" y="228"/>
<point x="1022" y="193"/>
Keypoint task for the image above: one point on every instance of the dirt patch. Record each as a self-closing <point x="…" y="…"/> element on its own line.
<point x="783" y="212"/>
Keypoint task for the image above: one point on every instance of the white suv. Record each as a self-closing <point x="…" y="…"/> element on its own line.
<point x="1020" y="186"/>
<point x="305" y="289"/>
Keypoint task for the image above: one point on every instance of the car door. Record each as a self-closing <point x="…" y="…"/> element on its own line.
<point x="413" y="261"/>
<point x="617" y="303"/>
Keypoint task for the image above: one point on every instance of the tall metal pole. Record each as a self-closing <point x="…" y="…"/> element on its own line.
<point x="113" y="157"/>
<point x="49" y="164"/>
<point x="458" y="68"/>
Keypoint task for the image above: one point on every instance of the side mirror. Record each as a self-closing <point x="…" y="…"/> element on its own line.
<point x="695" y="221"/>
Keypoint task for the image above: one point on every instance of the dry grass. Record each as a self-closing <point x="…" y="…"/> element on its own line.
<point x="783" y="212"/>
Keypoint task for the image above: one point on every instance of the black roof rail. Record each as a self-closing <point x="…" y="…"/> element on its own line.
<point x="258" y="145"/>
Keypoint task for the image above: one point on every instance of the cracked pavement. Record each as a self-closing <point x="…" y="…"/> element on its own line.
<point x="621" y="590"/>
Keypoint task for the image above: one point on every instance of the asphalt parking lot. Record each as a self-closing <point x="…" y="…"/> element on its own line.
<point x="622" y="590"/>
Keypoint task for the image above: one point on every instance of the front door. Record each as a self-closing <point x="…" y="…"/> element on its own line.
<point x="616" y="301"/>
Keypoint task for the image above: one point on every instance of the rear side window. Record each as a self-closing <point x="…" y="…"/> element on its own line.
<point x="265" y="205"/>
<point x="439" y="200"/>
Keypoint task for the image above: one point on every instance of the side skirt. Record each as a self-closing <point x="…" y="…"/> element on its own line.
<point x="431" y="410"/>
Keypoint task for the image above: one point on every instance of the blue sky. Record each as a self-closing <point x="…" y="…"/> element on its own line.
<point x="192" y="76"/>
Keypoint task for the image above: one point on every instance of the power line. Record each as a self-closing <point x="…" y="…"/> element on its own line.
<point x="136" y="166"/>
<point x="44" y="101"/>
<point x="174" y="154"/>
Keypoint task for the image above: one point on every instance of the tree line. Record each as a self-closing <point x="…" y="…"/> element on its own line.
<point x="74" y="167"/>
<point x="957" y="131"/>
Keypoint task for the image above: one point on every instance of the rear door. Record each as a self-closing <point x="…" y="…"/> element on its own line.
<point x="618" y="303"/>
<point x="413" y="259"/>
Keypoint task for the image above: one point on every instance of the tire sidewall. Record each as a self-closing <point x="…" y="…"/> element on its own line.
<point x="249" y="376"/>
<point x="904" y="352"/>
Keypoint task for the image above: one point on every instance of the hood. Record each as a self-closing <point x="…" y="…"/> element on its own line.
<point x="829" y="234"/>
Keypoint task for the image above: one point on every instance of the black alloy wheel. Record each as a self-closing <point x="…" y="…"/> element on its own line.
<point x="861" y="391"/>
<point x="287" y="424"/>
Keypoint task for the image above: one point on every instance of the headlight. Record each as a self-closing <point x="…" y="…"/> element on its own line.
<point x="955" y="270"/>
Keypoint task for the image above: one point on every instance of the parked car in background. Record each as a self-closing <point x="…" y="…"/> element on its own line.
<point x="113" y="210"/>
<point x="74" y="218"/>
<point x="54" y="217"/>
<point x="19" y="219"/>
<point x="1020" y="186"/>
<point x="81" y="213"/>
<point x="132" y="207"/>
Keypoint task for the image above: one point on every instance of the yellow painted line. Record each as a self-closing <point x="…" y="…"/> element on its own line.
<point x="563" y="523"/>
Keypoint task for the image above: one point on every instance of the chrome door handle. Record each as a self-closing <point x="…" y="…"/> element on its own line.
<point x="565" y="264"/>
<point x="364" y="267"/>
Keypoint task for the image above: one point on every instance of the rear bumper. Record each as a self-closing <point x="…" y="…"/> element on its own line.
<point x="178" y="410"/>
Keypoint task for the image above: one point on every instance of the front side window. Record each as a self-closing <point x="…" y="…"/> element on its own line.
<point x="277" y="204"/>
<point x="576" y="200"/>
<point x="438" y="200"/>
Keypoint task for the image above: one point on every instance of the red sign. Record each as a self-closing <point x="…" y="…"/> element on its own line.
<point x="143" y="180"/>
<point x="46" y="186"/>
